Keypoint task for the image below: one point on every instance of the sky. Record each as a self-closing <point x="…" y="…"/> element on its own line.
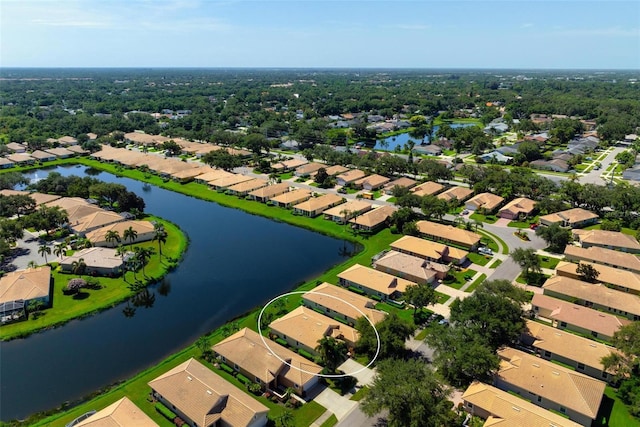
<point x="515" y="34"/>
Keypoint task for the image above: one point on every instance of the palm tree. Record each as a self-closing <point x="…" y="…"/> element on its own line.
<point x="130" y="234"/>
<point x="59" y="250"/>
<point x="331" y="351"/>
<point x="78" y="267"/>
<point x="142" y="255"/>
<point x="44" y="250"/>
<point x="112" y="236"/>
<point x="477" y="223"/>
<point x="285" y="419"/>
<point x="160" y="236"/>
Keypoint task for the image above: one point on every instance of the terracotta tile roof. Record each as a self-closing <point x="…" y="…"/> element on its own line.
<point x="213" y="175"/>
<point x="608" y="275"/>
<point x="459" y="193"/>
<point x="95" y="220"/>
<point x="309" y="168"/>
<point x="375" y="280"/>
<point x="511" y="411"/>
<point x="553" y="382"/>
<point x="296" y="196"/>
<point x="488" y="201"/>
<point x="427" y="188"/>
<point x="338" y="305"/>
<point x="603" y="256"/>
<point x="372" y="180"/>
<point x="518" y="206"/>
<point x="121" y="413"/>
<point x="595" y="293"/>
<point x="568" y="345"/>
<point x="289" y="164"/>
<point x="320" y="203"/>
<point x="246" y="349"/>
<point x="96" y="257"/>
<point x="420" y="247"/>
<point x="374" y="217"/>
<point x="76" y="149"/>
<point x="351" y="175"/>
<point x="25" y="284"/>
<point x="270" y="190"/>
<point x="308" y="327"/>
<point x="205" y="397"/>
<point x="145" y="139"/>
<point x="571" y="216"/>
<point x="39" y="198"/>
<point x="410" y="265"/>
<point x="607" y="238"/>
<point x="352" y="206"/>
<point x="447" y="232"/>
<point x="61" y="151"/>
<point x="40" y="155"/>
<point x="336" y="170"/>
<point x="228" y="181"/>
<point x="99" y="235"/>
<point x="403" y="182"/>
<point x="250" y="185"/>
<point x="580" y="316"/>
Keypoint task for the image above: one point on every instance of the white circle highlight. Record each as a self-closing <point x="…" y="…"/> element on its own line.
<point x="375" y="356"/>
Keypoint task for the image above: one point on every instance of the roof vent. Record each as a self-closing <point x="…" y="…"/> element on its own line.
<point x="555" y="373"/>
<point x="209" y="392"/>
<point x="593" y="345"/>
<point x="515" y="408"/>
<point x="536" y="365"/>
<point x="189" y="378"/>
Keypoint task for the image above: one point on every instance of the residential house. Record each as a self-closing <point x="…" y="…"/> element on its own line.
<point x="336" y="170"/>
<point x="586" y="321"/>
<point x="76" y="208"/>
<point x="428" y="150"/>
<point x="498" y="408"/>
<point x="344" y="212"/>
<point x="31" y="284"/>
<point x="141" y="138"/>
<point x="349" y="177"/>
<point x="243" y="188"/>
<point x="67" y="140"/>
<point x="400" y="182"/>
<point x="204" y="399"/>
<point x="99" y="261"/>
<point x="550" y="385"/>
<point x="572" y="218"/>
<point x="429" y="251"/>
<point x="583" y="354"/>
<point x="144" y="230"/>
<point x="288" y="165"/>
<point x="187" y="174"/>
<point x="123" y="412"/>
<point x="309" y="169"/>
<point x="602" y="256"/>
<point x="6" y="163"/>
<point x="61" y="152"/>
<point x="303" y="327"/>
<point x="486" y="202"/>
<point x="341" y="304"/>
<point x="264" y="194"/>
<point x="291" y="198"/>
<point x="229" y="181"/>
<point x="373" y="220"/>
<point x="428" y="188"/>
<point x="21" y="159"/>
<point x="16" y="147"/>
<point x="212" y="175"/>
<point x="378" y="284"/>
<point x="266" y="362"/>
<point x="371" y="182"/>
<point x="517" y="208"/>
<point x="75" y="149"/>
<point x="458" y="193"/>
<point x="607" y="239"/>
<point x="593" y="296"/>
<point x="448" y="234"/>
<point x="38" y="198"/>
<point x="43" y="156"/>
<point x="94" y="221"/>
<point x="412" y="268"/>
<point x="316" y="205"/>
<point x="556" y="165"/>
<point x="621" y="280"/>
<point x="495" y="156"/>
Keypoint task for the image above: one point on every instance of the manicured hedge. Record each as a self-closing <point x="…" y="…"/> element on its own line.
<point x="226" y="368"/>
<point x="356" y="290"/>
<point x="166" y="412"/>
<point x="305" y="353"/>
<point x="282" y="342"/>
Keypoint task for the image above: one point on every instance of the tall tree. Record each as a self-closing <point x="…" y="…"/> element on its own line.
<point x="587" y="272"/>
<point x="332" y="352"/>
<point x="527" y="259"/>
<point x="143" y="255"/>
<point x="112" y="236"/>
<point x="556" y="237"/>
<point x="160" y="235"/>
<point x="412" y="394"/>
<point x="420" y="296"/>
<point x="131" y="235"/>
<point x="44" y="250"/>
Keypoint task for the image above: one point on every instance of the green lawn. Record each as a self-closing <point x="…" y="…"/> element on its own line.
<point x="330" y="422"/>
<point x="285" y="176"/>
<point x="442" y="298"/>
<point x="360" y="394"/>
<point x="490" y="240"/>
<point x="623" y="230"/>
<point x="478" y="259"/>
<point x="524" y="224"/>
<point x="489" y="219"/>
<point x="113" y="291"/>
<point x="460" y="277"/>
<point x="496" y="263"/>
<point x="613" y="412"/>
<point x="548" y="262"/>
<point x="476" y="282"/>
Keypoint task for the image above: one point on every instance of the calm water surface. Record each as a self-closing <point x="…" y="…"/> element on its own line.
<point x="235" y="262"/>
<point x="390" y="143"/>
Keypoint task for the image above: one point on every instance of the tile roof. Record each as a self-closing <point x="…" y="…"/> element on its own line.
<point x="447" y="232"/>
<point x="374" y="217"/>
<point x="488" y="201"/>
<point x="403" y="182"/>
<point x="250" y="185"/>
<point x="296" y="196"/>
<point x="603" y="256"/>
<point x="375" y="280"/>
<point x="228" y="181"/>
<point x="320" y="203"/>
<point x="421" y="247"/>
<point x="571" y="216"/>
<point x="351" y="175"/>
<point x="122" y="413"/>
<point x="518" y="206"/>
<point x="205" y="397"/>
<point x="372" y="180"/>
<point x="607" y="238"/>
<point x="511" y="411"/>
<point x="411" y="265"/>
<point x="246" y="349"/>
<point x="95" y="257"/>
<point x="352" y="206"/>
<point x="213" y="175"/>
<point x="556" y="383"/>
<point x="39" y="198"/>
<point x="308" y="327"/>
<point x="309" y="168"/>
<point x="25" y="284"/>
<point x="336" y="302"/>
<point x="456" y="192"/>
<point x="580" y="316"/>
<point x="595" y="293"/>
<point x="609" y="275"/>
<point x="336" y="170"/>
<point x="99" y="235"/>
<point x="95" y="220"/>
<point x="427" y="188"/>
<point x="270" y="190"/>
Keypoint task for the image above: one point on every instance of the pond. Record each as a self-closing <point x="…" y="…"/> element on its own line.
<point x="235" y="262"/>
<point x="390" y="143"/>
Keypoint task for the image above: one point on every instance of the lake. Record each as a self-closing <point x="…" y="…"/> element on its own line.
<point x="390" y="143"/>
<point x="235" y="262"/>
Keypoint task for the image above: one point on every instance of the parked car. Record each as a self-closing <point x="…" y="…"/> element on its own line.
<point x="485" y="251"/>
<point x="533" y="226"/>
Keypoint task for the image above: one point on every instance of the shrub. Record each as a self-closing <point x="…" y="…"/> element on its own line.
<point x="166" y="412"/>
<point x="74" y="285"/>
<point x="254" y="388"/>
<point x="243" y="379"/>
<point x="282" y="342"/>
<point x="226" y="368"/>
<point x="305" y="353"/>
